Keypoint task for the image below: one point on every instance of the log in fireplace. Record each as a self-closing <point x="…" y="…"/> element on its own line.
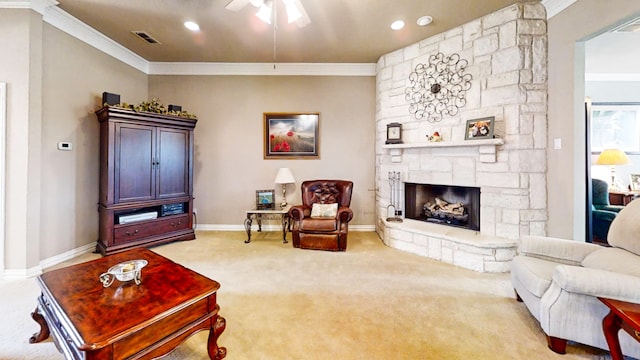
<point x="450" y="205"/>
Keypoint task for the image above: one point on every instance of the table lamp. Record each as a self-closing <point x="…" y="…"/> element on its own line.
<point x="284" y="177"/>
<point x="612" y="157"/>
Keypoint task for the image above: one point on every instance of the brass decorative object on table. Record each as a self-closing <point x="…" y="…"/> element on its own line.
<point x="125" y="271"/>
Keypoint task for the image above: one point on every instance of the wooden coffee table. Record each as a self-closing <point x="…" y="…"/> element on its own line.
<point x="125" y="320"/>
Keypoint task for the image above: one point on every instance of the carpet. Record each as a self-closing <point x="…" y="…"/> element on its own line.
<point x="370" y="302"/>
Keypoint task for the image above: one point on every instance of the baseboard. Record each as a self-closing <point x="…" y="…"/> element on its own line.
<point x="21" y="274"/>
<point x="215" y="227"/>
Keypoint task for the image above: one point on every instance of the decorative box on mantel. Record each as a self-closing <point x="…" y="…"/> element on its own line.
<point x="486" y="148"/>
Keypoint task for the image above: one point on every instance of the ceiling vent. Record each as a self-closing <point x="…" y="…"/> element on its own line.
<point x="146" y="37"/>
<point x="629" y="26"/>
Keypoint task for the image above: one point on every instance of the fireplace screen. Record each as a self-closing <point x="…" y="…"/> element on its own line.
<point x="443" y="204"/>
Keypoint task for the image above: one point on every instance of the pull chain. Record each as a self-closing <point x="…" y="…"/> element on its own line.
<point x="275" y="28"/>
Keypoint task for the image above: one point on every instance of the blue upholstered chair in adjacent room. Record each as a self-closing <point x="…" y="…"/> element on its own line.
<point x="602" y="213"/>
<point x="600" y="196"/>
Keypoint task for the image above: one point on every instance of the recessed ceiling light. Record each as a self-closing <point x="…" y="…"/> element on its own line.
<point x="397" y="25"/>
<point x="424" y="20"/>
<point x="191" y="26"/>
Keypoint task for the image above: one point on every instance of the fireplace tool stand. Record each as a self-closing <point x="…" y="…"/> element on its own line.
<point x="394" y="192"/>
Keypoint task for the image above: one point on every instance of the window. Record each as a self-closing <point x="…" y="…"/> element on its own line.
<point x="615" y="125"/>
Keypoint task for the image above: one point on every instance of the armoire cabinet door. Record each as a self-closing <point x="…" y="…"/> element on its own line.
<point x="173" y="164"/>
<point x="134" y="167"/>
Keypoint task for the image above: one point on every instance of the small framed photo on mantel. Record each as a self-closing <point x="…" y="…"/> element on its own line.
<point x="480" y="128"/>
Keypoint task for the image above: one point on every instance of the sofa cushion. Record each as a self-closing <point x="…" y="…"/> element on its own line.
<point x="625" y="229"/>
<point x="614" y="260"/>
<point x="535" y="274"/>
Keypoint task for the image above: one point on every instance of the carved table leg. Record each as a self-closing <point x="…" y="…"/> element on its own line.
<point x="44" y="327"/>
<point x="247" y="227"/>
<point x="215" y="352"/>
<point x="611" y="325"/>
<point x="259" y="218"/>
<point x="285" y="227"/>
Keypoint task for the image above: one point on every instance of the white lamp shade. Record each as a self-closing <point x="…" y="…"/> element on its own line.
<point x="284" y="176"/>
<point x="612" y="157"/>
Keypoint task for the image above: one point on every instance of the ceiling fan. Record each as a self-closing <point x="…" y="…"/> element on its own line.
<point x="295" y="10"/>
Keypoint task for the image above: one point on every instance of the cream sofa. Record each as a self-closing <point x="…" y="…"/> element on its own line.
<point x="559" y="282"/>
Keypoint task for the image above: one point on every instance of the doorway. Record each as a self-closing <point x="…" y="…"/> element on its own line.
<point x="611" y="78"/>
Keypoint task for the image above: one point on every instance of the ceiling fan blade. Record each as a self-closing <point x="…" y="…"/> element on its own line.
<point x="236" y="5"/>
<point x="304" y="20"/>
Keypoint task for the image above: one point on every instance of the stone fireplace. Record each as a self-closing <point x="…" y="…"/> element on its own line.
<point x="507" y="56"/>
<point x="448" y="205"/>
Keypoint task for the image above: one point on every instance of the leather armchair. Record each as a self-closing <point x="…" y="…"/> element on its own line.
<point x="322" y="233"/>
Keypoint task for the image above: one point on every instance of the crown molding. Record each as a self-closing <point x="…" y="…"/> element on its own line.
<point x="612" y="77"/>
<point x="263" y="69"/>
<point x="83" y="32"/>
<point x="555" y="6"/>
<point x="39" y="6"/>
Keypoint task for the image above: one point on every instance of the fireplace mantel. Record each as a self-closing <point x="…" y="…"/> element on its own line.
<point x="486" y="148"/>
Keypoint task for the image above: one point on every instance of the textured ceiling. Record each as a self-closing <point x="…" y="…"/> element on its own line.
<point x="341" y="31"/>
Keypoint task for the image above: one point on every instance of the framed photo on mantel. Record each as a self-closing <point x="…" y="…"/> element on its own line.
<point x="479" y="128"/>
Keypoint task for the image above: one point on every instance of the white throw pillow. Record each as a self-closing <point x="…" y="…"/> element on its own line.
<point x="324" y="210"/>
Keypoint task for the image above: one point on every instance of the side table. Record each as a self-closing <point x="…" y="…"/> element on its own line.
<point x="622" y="197"/>
<point x="622" y="315"/>
<point x="277" y="213"/>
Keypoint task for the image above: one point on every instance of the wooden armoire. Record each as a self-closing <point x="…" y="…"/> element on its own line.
<point x="146" y="179"/>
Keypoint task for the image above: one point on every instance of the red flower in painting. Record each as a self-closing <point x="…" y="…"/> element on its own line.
<point x="272" y="137"/>
<point x="276" y="148"/>
<point x="290" y="133"/>
<point x="286" y="147"/>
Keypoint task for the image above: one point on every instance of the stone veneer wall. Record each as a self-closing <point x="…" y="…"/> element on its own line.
<point x="507" y="57"/>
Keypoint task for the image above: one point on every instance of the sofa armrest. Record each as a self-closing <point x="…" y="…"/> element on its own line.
<point x="598" y="283"/>
<point x="558" y="250"/>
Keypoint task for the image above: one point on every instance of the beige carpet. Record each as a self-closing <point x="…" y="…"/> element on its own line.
<point x="371" y="302"/>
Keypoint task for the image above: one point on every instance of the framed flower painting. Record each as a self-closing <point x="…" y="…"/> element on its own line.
<point x="291" y="135"/>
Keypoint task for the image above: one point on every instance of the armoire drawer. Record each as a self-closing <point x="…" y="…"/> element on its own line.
<point x="131" y="232"/>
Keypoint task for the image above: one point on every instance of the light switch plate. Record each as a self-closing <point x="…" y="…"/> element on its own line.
<point x="557" y="144"/>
